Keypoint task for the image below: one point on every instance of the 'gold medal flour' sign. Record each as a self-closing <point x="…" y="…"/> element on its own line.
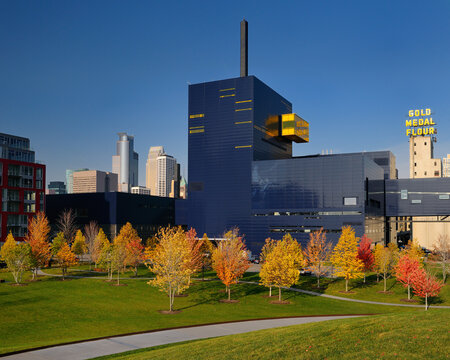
<point x="420" y="123"/>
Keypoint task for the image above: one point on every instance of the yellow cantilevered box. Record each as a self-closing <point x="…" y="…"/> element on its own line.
<point x="294" y="128"/>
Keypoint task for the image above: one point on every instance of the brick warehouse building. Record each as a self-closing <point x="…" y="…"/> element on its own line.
<point x="22" y="185"/>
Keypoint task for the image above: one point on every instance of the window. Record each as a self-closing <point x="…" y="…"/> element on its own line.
<point x="415" y="153"/>
<point x="435" y="163"/>
<point x="425" y="173"/>
<point x="350" y="201"/>
<point x="436" y="173"/>
<point x="415" y="164"/>
<point x="425" y="143"/>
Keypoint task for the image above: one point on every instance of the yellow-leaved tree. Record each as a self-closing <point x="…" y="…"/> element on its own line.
<point x="265" y="251"/>
<point x="206" y="249"/>
<point x="79" y="246"/>
<point x="282" y="265"/>
<point x="415" y="251"/>
<point x="385" y="260"/>
<point x="317" y="252"/>
<point x="230" y="260"/>
<point x="344" y="256"/>
<point x="17" y="257"/>
<point x="168" y="260"/>
<point x="100" y="242"/>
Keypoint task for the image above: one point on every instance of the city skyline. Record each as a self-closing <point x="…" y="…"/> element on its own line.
<point x="352" y="70"/>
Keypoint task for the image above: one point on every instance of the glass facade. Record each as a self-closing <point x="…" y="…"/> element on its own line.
<point x="241" y="170"/>
<point x="242" y="174"/>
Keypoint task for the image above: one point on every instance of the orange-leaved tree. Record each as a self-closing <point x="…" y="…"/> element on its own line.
<point x="120" y="254"/>
<point x="65" y="258"/>
<point x="135" y="253"/>
<point x="425" y="285"/>
<point x="230" y="259"/>
<point x="17" y="257"/>
<point x="282" y="265"/>
<point x="404" y="270"/>
<point x="269" y="244"/>
<point x="168" y="261"/>
<point x="37" y="238"/>
<point x="195" y="249"/>
<point x="317" y="252"/>
<point x="365" y="254"/>
<point x="344" y="256"/>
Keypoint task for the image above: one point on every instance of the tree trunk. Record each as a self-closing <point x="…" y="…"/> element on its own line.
<point x="170" y="297"/>
<point x="63" y="273"/>
<point x="378" y="277"/>
<point x="426" y="301"/>
<point x="118" y="276"/>
<point x="409" y="292"/>
<point x="270" y="291"/>
<point x="34" y="273"/>
<point x="384" y="279"/>
<point x="346" y="285"/>
<point x="135" y="271"/>
<point x="318" y="281"/>
<point x="229" y="293"/>
<point x="364" y="278"/>
<point x="279" y="293"/>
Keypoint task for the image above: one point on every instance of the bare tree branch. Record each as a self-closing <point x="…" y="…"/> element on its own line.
<point x="67" y="225"/>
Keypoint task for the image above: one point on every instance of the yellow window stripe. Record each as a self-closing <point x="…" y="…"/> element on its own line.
<point x="196" y="116"/>
<point x="196" y="127"/>
<point x="243" y="122"/>
<point x="243" y="109"/>
<point x="243" y="101"/>
<point x="196" y="131"/>
<point x="222" y="96"/>
<point x="228" y="89"/>
<point x="242" y="146"/>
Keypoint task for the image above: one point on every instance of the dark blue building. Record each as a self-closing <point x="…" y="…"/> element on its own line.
<point x="112" y="210"/>
<point x="242" y="173"/>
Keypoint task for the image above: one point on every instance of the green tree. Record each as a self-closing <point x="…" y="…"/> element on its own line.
<point x="58" y="243"/>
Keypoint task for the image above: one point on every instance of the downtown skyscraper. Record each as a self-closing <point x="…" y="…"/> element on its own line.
<point x="125" y="163"/>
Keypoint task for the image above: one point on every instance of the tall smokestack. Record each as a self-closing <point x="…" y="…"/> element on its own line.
<point x="244" y="48"/>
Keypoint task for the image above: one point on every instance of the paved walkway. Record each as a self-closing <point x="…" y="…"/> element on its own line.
<point x="114" y="345"/>
<point x="349" y="299"/>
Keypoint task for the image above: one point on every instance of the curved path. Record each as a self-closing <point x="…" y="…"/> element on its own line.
<point x="40" y="272"/>
<point x="118" y="344"/>
<point x="348" y="299"/>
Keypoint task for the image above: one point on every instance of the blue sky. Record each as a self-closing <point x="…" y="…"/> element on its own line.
<point x="75" y="73"/>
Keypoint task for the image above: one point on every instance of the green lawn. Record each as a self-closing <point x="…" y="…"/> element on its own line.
<point x="411" y="335"/>
<point x="51" y="311"/>
<point x="370" y="290"/>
